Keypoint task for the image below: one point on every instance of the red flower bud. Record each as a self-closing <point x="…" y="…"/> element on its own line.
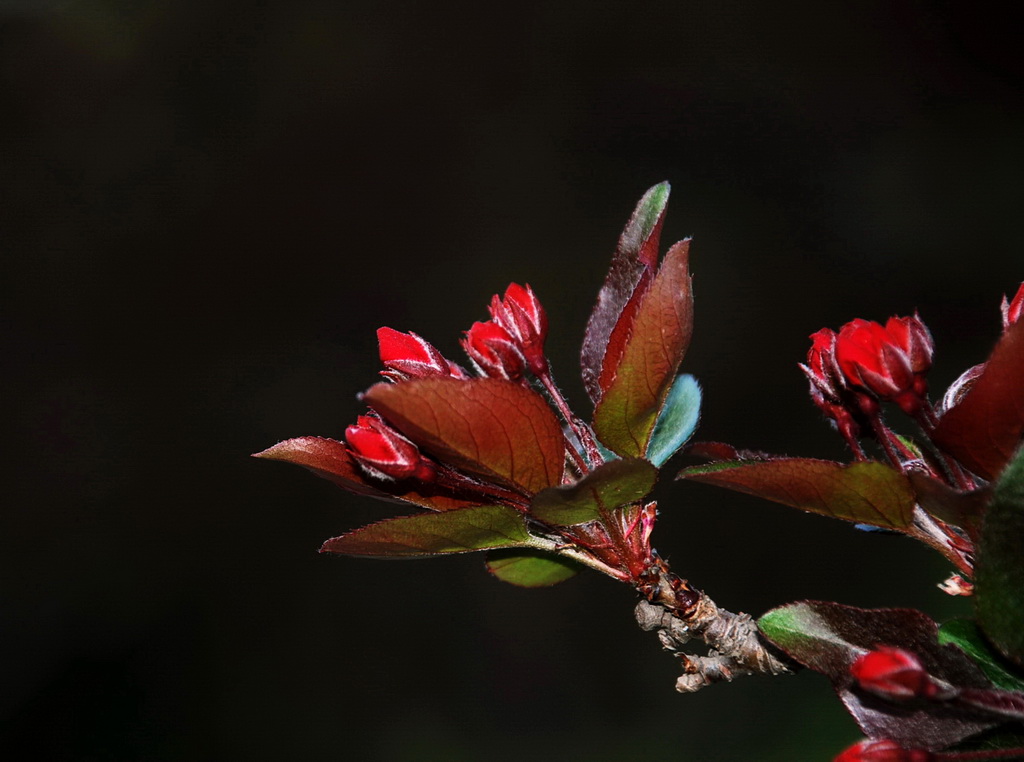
<point x="893" y="673"/>
<point x="821" y="369"/>
<point x="385" y="453"/>
<point x="493" y="351"/>
<point x="882" y="750"/>
<point x="1012" y="309"/>
<point x="523" y="317"/>
<point x="407" y="355"/>
<point x="914" y="338"/>
<point x="886" y="362"/>
<point x="828" y="388"/>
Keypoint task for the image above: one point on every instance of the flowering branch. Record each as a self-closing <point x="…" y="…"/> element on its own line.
<point x="495" y="460"/>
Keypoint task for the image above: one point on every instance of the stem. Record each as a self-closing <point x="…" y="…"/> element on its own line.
<point x="927" y="420"/>
<point x="580" y="429"/>
<point x="680" y="613"/>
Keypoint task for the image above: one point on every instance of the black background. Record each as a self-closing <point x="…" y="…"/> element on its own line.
<point x="209" y="207"/>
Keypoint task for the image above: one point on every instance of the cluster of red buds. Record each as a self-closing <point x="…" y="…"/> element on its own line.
<point x="864" y="364"/>
<point x="854" y="371"/>
<point x="497" y="348"/>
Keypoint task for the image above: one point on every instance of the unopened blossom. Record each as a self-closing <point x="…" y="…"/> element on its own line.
<point x="493" y="351"/>
<point x="408" y="355"/>
<point x="888" y="362"/>
<point x="894" y="673"/>
<point x="882" y="750"/>
<point x="385" y="453"/>
<point x="522" y="315"/>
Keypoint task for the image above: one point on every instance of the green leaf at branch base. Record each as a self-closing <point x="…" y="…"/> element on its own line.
<point x="531" y="568"/>
<point x="483" y="527"/>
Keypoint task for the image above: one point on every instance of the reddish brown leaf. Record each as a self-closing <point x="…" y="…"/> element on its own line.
<point x="490" y="427"/>
<point x="867" y="493"/>
<point x="329" y="459"/>
<point x="985" y="428"/>
<point x="635" y="259"/>
<point x="625" y="416"/>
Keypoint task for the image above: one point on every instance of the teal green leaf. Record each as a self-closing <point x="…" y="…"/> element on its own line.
<point x="430" y="534"/>
<point x="609" y="486"/>
<point x="530" y="568"/>
<point x="965" y="635"/>
<point x="999" y="577"/>
<point x="677" y="420"/>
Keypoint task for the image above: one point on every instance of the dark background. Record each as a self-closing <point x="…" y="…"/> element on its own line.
<point x="209" y="207"/>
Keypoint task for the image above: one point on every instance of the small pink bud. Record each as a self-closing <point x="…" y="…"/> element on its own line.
<point x="886" y="362"/>
<point x="407" y="355"/>
<point x="894" y="673"/>
<point x="385" y="453"/>
<point x="493" y="351"/>
<point x="882" y="750"/>
<point x="523" y="317"/>
<point x="1012" y="309"/>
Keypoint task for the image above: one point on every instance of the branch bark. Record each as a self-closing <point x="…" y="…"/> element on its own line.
<point x="679" y="614"/>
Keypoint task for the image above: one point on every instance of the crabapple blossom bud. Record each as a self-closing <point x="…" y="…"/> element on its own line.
<point x="886" y="362"/>
<point x="882" y="750"/>
<point x="493" y="351"/>
<point x="828" y="389"/>
<point x="408" y="355"/>
<point x="522" y="315"/>
<point x="894" y="673"/>
<point x="1012" y="309"/>
<point x="822" y="369"/>
<point x="385" y="453"/>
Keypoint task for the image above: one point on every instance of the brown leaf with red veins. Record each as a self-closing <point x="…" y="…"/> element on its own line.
<point x="984" y="429"/>
<point x="490" y="427"/>
<point x="330" y="459"/>
<point x="659" y="337"/>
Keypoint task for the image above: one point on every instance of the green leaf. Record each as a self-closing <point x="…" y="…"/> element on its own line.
<point x="490" y="427"/>
<point x="609" y="486"/>
<point x="527" y="568"/>
<point x="430" y="534"/>
<point x="330" y="459"/>
<point x="654" y="347"/>
<point x="634" y="262"/>
<point x="985" y="428"/>
<point x="677" y="420"/>
<point x="999" y="568"/>
<point x="828" y="637"/>
<point x="865" y="493"/>
<point x="965" y="635"/>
